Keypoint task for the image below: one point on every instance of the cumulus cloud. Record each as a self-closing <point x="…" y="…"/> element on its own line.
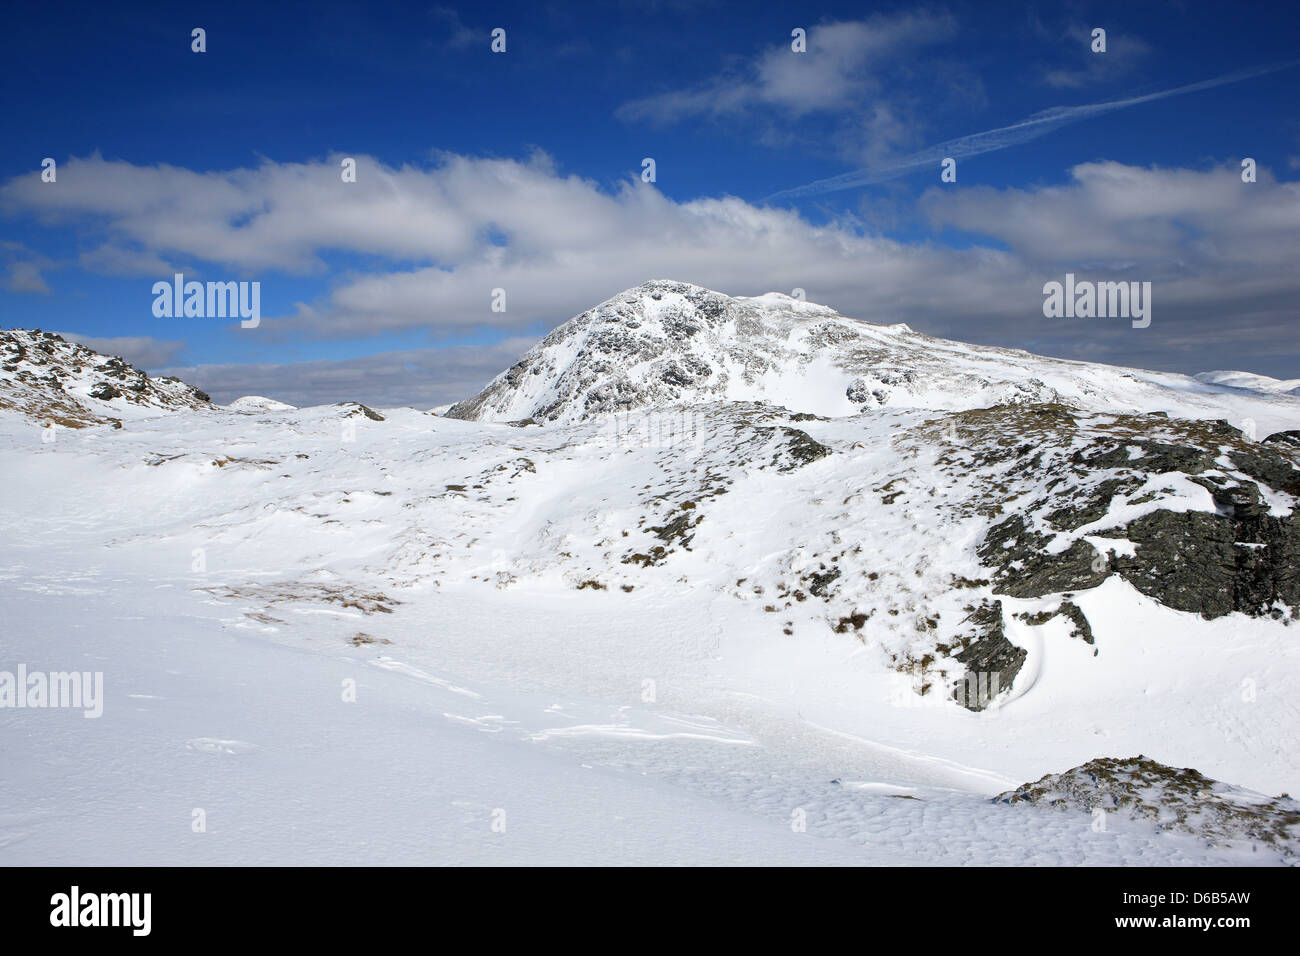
<point x="1178" y="221"/>
<point x="436" y="241"/>
<point x="852" y="76"/>
<point x="278" y="216"/>
<point x="450" y="234"/>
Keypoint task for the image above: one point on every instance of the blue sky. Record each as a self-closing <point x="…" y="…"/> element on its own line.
<point x="521" y="170"/>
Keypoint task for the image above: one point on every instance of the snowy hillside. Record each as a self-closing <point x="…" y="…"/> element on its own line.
<point x="665" y="343"/>
<point x="745" y="618"/>
<point x="57" y="382"/>
<point x="1251" y="381"/>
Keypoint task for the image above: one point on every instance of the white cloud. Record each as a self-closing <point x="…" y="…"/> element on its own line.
<point x="567" y="242"/>
<point x="436" y="242"/>
<point x="842" y="65"/>
<point x="1175" y="222"/>
<point x="1219" y="252"/>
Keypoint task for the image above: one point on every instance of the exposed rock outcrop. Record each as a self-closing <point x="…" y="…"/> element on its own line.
<point x="1168" y="798"/>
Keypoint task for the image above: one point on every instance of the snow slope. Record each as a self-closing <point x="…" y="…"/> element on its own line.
<point x="675" y="722"/>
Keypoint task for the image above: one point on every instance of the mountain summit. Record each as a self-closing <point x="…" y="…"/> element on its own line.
<point x="667" y="343"/>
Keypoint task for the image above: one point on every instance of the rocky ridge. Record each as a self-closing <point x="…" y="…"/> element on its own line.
<point x="56" y="382"/>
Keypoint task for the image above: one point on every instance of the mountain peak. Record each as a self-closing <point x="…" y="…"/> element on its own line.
<point x="661" y="343"/>
<point x="666" y="343"/>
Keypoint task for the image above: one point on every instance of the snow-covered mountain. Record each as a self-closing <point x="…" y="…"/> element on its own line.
<point x="667" y="343"/>
<point x="698" y="600"/>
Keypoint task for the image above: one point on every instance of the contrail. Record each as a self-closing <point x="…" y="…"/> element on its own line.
<point x="1040" y="124"/>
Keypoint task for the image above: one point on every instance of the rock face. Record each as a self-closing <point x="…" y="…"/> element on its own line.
<point x="1234" y="555"/>
<point x="1026" y="569"/>
<point x="794" y="448"/>
<point x="1215" y="564"/>
<point x="1170" y="799"/>
<point x="992" y="662"/>
<point x="53" y="381"/>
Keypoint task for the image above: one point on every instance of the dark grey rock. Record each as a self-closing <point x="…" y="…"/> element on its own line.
<point x="992" y="662"/>
<point x="105" y="392"/>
